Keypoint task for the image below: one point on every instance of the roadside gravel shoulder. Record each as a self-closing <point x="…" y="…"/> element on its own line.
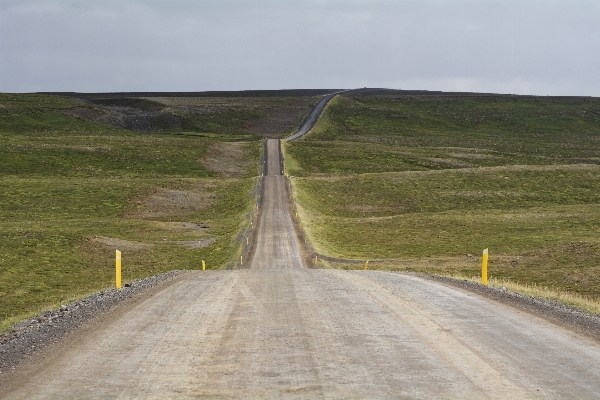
<point x="569" y="317"/>
<point x="559" y="313"/>
<point x="29" y="337"/>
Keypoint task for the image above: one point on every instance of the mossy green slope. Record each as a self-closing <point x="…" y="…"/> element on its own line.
<point x="424" y="182"/>
<point x="73" y="190"/>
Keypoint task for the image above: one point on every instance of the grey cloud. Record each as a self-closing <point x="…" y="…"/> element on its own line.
<point x="528" y="47"/>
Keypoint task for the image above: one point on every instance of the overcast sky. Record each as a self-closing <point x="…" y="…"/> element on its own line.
<point x="524" y="47"/>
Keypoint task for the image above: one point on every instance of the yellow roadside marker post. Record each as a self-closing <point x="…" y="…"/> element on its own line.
<point x="367" y="265"/>
<point x="316" y="259"/>
<point x="246" y="240"/>
<point x="241" y="260"/>
<point x="203" y="266"/>
<point x="484" y="267"/>
<point x="118" y="271"/>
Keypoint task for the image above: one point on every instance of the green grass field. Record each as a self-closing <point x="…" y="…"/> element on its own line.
<point x="425" y="183"/>
<point x="74" y="189"/>
<point x="413" y="183"/>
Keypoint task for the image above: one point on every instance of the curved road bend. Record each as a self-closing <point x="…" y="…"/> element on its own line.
<point x="280" y="330"/>
<point x="313" y="116"/>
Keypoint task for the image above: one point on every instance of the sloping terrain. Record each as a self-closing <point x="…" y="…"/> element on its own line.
<point x="280" y="329"/>
<point x="424" y="182"/>
<point x="267" y="113"/>
<point x="82" y="175"/>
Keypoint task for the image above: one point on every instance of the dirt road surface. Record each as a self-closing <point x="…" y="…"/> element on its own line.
<point x="281" y="330"/>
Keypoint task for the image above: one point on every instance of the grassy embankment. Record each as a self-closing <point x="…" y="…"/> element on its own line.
<point x="73" y="190"/>
<point x="424" y="183"/>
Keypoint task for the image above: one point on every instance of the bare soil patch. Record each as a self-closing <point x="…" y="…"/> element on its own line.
<point x="181" y="226"/>
<point x="196" y="244"/>
<point x="229" y="160"/>
<point x="123" y="245"/>
<point x="171" y="202"/>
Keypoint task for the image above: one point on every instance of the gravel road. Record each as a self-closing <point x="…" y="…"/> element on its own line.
<point x="33" y="335"/>
<point x="302" y="333"/>
<point x="277" y="246"/>
<point x="281" y="330"/>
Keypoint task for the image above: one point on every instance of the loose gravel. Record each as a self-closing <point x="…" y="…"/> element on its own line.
<point x="567" y="316"/>
<point x="32" y="335"/>
<point x="562" y="314"/>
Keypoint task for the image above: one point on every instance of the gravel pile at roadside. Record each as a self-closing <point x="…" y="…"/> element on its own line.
<point x="27" y="337"/>
<point x="562" y="314"/>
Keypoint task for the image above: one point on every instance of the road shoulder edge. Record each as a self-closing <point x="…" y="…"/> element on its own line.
<point x="566" y="316"/>
<point x="32" y="343"/>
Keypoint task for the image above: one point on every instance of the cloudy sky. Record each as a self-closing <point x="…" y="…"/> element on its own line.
<point x="524" y="47"/>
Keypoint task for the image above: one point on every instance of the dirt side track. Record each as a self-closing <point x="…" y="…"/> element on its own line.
<point x="280" y="329"/>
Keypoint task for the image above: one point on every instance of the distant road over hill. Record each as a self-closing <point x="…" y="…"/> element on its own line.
<point x="281" y="329"/>
<point x="312" y="118"/>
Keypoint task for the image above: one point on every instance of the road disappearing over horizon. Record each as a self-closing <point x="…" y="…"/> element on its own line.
<point x="282" y="330"/>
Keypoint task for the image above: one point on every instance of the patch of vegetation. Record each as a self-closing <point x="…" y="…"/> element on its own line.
<point x="43" y="115"/>
<point x="402" y="133"/>
<point x="102" y="155"/>
<point x="73" y="190"/>
<point x="463" y="190"/>
<point x="225" y="121"/>
<point x="424" y="183"/>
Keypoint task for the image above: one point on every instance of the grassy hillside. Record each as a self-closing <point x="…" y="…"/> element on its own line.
<point x="75" y="184"/>
<point x="425" y="182"/>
